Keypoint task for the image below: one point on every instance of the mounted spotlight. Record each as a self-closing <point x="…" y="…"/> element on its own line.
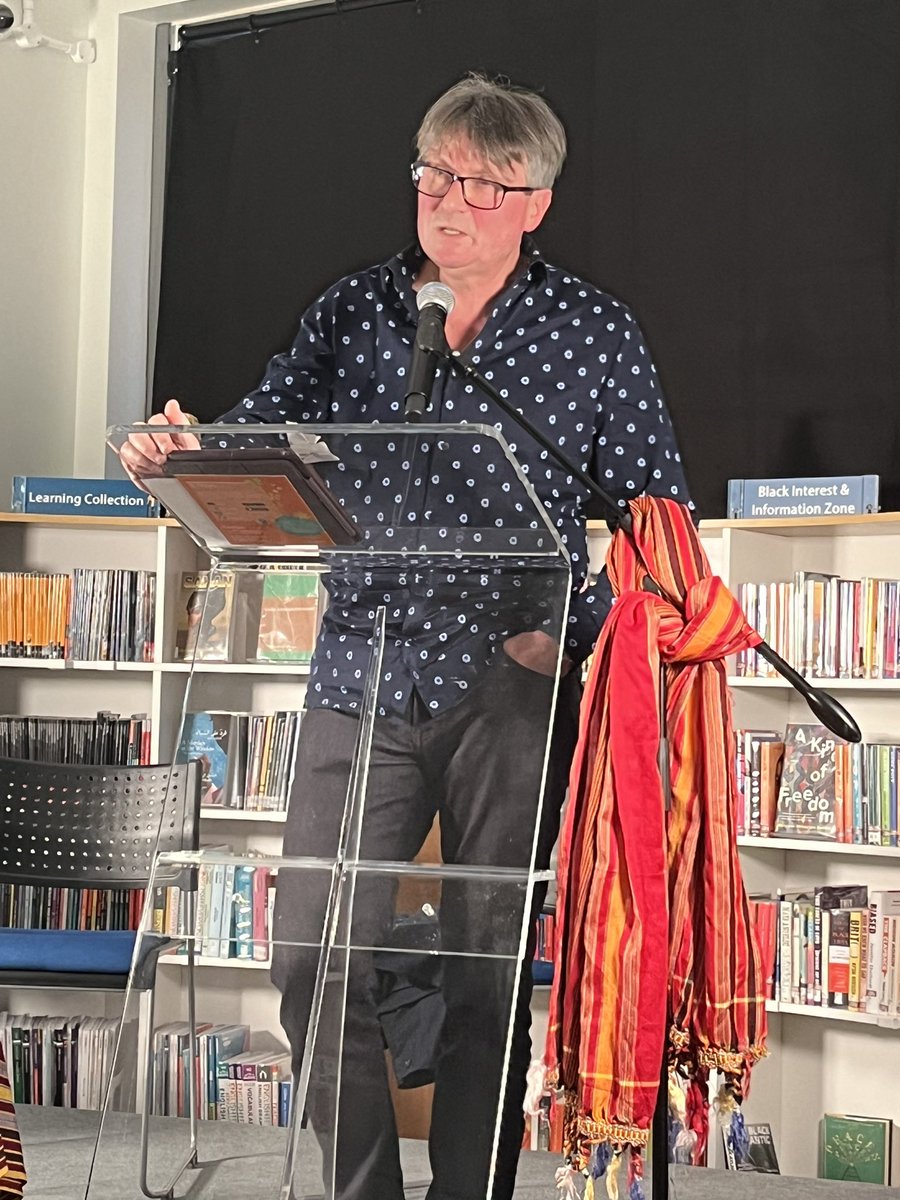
<point x="17" y="20"/>
<point x="10" y="18"/>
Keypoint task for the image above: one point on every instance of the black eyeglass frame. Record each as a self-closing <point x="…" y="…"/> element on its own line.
<point x="462" y="180"/>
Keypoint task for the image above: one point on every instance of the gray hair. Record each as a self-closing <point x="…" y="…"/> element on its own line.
<point x="505" y="124"/>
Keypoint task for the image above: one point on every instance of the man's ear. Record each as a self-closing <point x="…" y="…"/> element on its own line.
<point x="538" y="203"/>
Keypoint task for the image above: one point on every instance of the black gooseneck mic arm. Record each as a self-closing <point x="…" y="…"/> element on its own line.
<point x="830" y="712"/>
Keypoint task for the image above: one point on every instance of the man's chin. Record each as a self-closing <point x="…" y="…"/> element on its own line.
<point x="446" y="250"/>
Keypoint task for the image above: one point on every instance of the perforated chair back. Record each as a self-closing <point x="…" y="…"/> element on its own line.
<point x="94" y="826"/>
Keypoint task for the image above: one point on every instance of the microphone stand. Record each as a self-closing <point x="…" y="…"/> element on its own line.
<point x="829" y="711"/>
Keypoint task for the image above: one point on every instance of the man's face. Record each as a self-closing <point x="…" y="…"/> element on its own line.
<point x="456" y="236"/>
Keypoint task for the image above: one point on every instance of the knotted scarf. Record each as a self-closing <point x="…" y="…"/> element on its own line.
<point x="654" y="941"/>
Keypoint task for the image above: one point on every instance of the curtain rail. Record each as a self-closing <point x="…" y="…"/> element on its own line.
<point x="255" y="23"/>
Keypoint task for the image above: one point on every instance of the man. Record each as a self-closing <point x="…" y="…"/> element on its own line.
<point x="573" y="361"/>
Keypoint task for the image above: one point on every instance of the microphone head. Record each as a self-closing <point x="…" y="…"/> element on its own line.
<point x="435" y="293"/>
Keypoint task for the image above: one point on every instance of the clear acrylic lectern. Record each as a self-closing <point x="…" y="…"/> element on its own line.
<point x="375" y="949"/>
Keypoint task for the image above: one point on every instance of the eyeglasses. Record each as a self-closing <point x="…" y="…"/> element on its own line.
<point x="477" y="193"/>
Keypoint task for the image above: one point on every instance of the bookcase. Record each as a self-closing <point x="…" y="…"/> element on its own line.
<point x="227" y="990"/>
<point x="820" y="1059"/>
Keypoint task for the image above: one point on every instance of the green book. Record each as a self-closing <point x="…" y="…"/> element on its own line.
<point x="289" y="616"/>
<point x="857" y="1149"/>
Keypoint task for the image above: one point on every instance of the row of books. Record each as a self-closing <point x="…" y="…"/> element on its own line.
<point x="39" y="906"/>
<point x="832" y="947"/>
<point x="111" y="615"/>
<point x="546" y="937"/>
<point x="34" y="613"/>
<point x="231" y="1082"/>
<point x="247" y="758"/>
<point x="826" y="626"/>
<point x="107" y="738"/>
<point x="91" y="615"/>
<point x="804" y="783"/>
<point x="234" y="911"/>
<point x="236" y="616"/>
<point x="60" y="1061"/>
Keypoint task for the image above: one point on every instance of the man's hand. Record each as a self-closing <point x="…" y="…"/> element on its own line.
<point x="536" y="652"/>
<point x="144" y="453"/>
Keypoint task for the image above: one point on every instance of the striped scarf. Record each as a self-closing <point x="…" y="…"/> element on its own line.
<point x="12" y="1168"/>
<point x="625" y="974"/>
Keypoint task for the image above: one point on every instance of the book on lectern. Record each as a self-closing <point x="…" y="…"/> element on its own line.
<point x="244" y="500"/>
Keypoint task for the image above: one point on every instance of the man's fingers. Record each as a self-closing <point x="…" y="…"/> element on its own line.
<point x="136" y="463"/>
<point x="144" y="453"/>
<point x="157" y="445"/>
<point x="186" y="441"/>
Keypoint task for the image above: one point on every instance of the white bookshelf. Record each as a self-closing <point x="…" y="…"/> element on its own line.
<point x="227" y="990"/>
<point x="820" y="1012"/>
<point x="821" y="1059"/>
<point x="222" y="964"/>
<point x="809" y="846"/>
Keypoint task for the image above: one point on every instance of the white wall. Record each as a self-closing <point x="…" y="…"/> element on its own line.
<point x="58" y="139"/>
<point x="42" y="122"/>
<point x="120" y="95"/>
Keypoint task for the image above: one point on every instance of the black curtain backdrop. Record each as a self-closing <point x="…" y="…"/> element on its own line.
<point x="733" y="176"/>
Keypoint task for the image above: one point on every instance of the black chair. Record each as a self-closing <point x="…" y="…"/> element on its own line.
<point x="100" y="827"/>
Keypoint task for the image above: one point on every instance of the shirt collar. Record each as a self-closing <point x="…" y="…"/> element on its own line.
<point x="400" y="270"/>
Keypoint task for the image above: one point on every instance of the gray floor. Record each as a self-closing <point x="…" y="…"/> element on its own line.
<point x="244" y="1164"/>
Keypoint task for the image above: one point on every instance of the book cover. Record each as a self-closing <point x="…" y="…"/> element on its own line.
<point x="807" y="798"/>
<point x="204" y="616"/>
<point x="288" y="618"/>
<point x="207" y="736"/>
<point x="838" y="976"/>
<point x="853" y="1148"/>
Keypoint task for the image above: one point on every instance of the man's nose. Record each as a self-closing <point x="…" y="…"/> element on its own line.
<point x="453" y="198"/>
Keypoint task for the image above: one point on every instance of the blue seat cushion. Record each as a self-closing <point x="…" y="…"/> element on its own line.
<point x="541" y="972"/>
<point x="63" y="950"/>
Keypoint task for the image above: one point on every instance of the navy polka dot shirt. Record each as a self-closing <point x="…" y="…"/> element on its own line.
<point x="570" y="357"/>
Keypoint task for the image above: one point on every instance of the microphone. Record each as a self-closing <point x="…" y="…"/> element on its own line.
<point x="435" y="302"/>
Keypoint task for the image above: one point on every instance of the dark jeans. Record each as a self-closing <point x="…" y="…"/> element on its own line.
<point x="479" y="766"/>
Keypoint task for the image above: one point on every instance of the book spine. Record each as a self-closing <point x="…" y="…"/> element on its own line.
<point x="784" y="951"/>
<point x="856" y="921"/>
<point x="839" y="959"/>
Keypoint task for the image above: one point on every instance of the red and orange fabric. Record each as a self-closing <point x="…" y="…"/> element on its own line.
<point x="654" y="942"/>
<point x="12" y="1168"/>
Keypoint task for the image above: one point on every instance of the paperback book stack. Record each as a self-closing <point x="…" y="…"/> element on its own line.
<point x="833" y="947"/>
<point x="59" y="1061"/>
<point x="41" y="906"/>
<point x="828" y="627"/>
<point x="247" y="759"/>
<point x="231" y="1082"/>
<point x="804" y="783"/>
<point x="34" y="614"/>
<point x="234" y="912"/>
<point x="237" y="616"/>
<point x="107" y="738"/>
<point x="111" y="616"/>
